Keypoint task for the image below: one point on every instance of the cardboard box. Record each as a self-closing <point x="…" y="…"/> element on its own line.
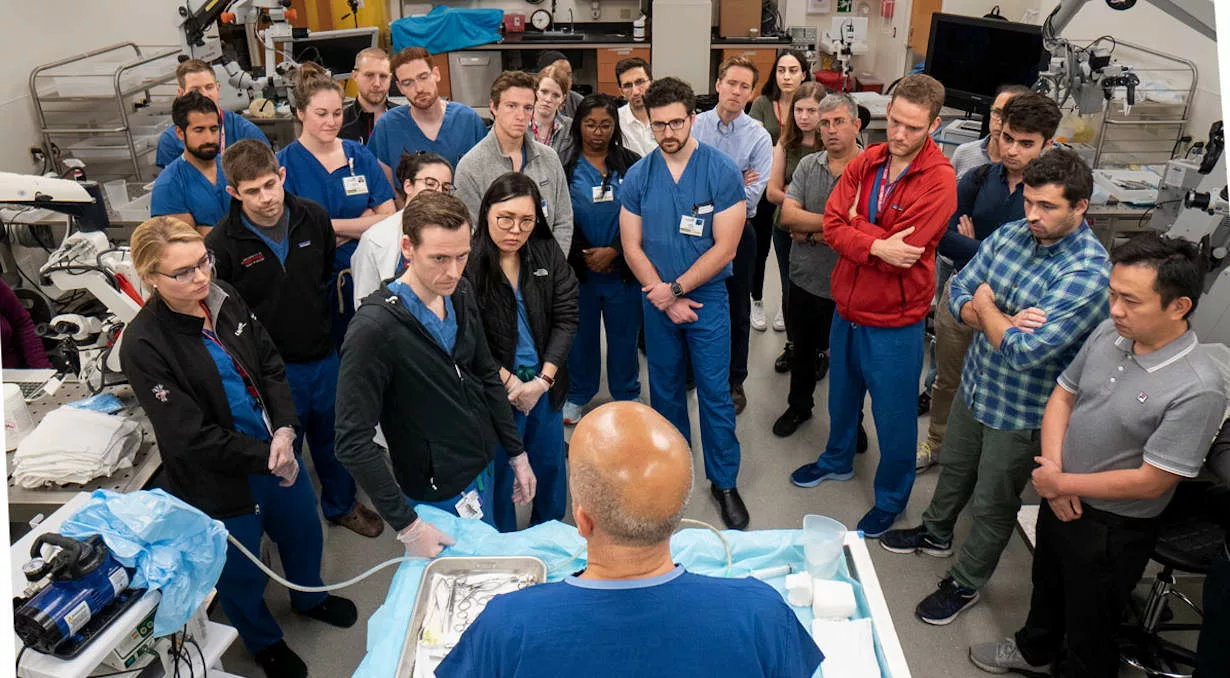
<point x="737" y="18"/>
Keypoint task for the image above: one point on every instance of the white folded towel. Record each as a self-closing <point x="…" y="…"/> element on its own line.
<point x="848" y="646"/>
<point x="72" y="445"/>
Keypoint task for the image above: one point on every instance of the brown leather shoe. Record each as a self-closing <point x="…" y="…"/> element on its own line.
<point x="361" y="520"/>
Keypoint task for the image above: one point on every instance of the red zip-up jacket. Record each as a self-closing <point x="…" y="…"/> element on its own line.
<point x="869" y="291"/>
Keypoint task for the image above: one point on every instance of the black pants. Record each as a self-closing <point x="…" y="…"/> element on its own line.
<point x="762" y="224"/>
<point x="1212" y="651"/>
<point x="738" y="286"/>
<point x="1083" y="574"/>
<point x="810" y="320"/>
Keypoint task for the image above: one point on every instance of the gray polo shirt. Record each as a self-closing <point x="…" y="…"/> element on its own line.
<point x="811" y="264"/>
<point x="1162" y="408"/>
<point x="970" y="155"/>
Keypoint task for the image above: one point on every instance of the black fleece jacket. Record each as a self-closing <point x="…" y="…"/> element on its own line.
<point x="549" y="289"/>
<point x="291" y="299"/>
<point x="442" y="415"/>
<point x="207" y="462"/>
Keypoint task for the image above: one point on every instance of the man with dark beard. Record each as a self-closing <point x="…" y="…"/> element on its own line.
<point x="193" y="188"/>
<point x="427" y="123"/>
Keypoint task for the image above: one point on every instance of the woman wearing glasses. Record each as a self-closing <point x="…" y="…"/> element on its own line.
<point x="339" y="174"/>
<point x="772" y="108"/>
<point x="214" y="388"/>
<point x="527" y="294"/>
<point x="378" y="256"/>
<point x="549" y="126"/>
<point x="610" y="296"/>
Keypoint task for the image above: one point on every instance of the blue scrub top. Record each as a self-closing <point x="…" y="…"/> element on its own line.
<point x="443" y="331"/>
<point x="245" y="410"/>
<point x="598" y="221"/>
<point x="182" y="189"/>
<point x="307" y="178"/>
<point x="527" y="355"/>
<point x="658" y="626"/>
<point x="710" y="184"/>
<point x="281" y="248"/>
<point x="396" y="132"/>
<point x="234" y="128"/>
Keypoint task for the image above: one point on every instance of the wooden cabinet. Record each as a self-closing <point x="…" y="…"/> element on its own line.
<point x="440" y="61"/>
<point x="762" y="58"/>
<point x="920" y="23"/>
<point x="607" y="58"/>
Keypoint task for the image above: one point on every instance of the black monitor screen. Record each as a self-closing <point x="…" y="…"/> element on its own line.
<point x="335" y="53"/>
<point x="974" y="57"/>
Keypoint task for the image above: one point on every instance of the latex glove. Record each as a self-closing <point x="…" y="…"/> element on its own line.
<point x="511" y="386"/>
<point x="526" y="396"/>
<point x="525" y="484"/>
<point x="282" y="461"/>
<point x="423" y="540"/>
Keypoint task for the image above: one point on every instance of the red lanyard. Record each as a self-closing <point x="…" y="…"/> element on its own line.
<point x="886" y="187"/>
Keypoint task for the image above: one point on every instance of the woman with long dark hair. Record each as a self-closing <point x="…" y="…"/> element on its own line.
<point x="790" y="70"/>
<point x="610" y="296"/>
<point x="527" y="295"/>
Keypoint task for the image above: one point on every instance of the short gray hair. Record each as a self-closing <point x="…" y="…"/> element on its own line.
<point x="602" y="499"/>
<point x="836" y="100"/>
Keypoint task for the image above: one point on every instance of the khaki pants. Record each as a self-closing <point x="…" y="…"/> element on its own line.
<point x="952" y="339"/>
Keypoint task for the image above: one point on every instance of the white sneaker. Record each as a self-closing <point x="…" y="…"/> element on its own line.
<point x="572" y="413"/>
<point x="758" y="320"/>
<point x="779" y="322"/>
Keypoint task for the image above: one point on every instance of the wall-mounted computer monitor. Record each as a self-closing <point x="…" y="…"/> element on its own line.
<point x="335" y="50"/>
<point x="972" y="57"/>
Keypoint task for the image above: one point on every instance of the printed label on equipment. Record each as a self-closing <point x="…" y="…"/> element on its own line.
<point x="119" y="580"/>
<point x="78" y="618"/>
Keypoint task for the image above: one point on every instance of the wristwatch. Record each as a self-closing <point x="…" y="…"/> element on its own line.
<point x="676" y="289"/>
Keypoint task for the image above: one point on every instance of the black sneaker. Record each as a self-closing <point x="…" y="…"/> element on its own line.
<point x="924" y="403"/>
<point x="335" y="611"/>
<point x="279" y="661"/>
<point x="943" y="606"/>
<point x="782" y="364"/>
<point x="915" y="540"/>
<point x="788" y="423"/>
<point x="822" y="367"/>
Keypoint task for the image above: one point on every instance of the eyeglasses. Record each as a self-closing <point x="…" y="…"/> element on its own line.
<point x="676" y="124"/>
<point x="434" y="184"/>
<point x="591" y="127"/>
<point x="187" y="275"/>
<point x="835" y="123"/>
<point x="409" y="83"/>
<point x="523" y="224"/>
<point x="635" y="84"/>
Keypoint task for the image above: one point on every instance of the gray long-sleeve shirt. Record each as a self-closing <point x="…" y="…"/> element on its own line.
<point x="479" y="168"/>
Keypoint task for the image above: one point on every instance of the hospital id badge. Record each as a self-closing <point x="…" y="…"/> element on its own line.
<point x="693" y="226"/>
<point x="355" y="185"/>
<point x="470" y="506"/>
<point x="603" y="194"/>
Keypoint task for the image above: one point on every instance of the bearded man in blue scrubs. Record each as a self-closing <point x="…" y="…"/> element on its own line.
<point x="197" y="76"/>
<point x="682" y="217"/>
<point x="193" y="188"/>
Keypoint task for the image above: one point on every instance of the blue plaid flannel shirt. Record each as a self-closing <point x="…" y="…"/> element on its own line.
<point x="1007" y="389"/>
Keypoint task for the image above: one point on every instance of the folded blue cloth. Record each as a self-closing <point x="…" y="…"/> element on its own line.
<point x="446" y="29"/>
<point x="172" y="546"/>
<point x="107" y="403"/>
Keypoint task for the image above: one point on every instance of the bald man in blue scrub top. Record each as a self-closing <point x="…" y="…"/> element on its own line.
<point x="682" y="217"/>
<point x="192" y="188"/>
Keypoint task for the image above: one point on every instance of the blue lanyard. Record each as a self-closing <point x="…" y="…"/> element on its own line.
<point x="882" y="191"/>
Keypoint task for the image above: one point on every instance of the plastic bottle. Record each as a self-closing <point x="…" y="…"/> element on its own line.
<point x="638" y="29"/>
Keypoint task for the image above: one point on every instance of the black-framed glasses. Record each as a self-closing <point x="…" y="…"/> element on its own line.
<point x="524" y="224"/>
<point x="186" y="275"/>
<point x="592" y="127"/>
<point x="676" y="124"/>
<point x="434" y="184"/>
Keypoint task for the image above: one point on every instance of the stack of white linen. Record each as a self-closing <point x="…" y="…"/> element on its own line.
<point x="73" y="445"/>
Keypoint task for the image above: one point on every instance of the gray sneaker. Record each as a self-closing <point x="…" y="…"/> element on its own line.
<point x="1003" y="657"/>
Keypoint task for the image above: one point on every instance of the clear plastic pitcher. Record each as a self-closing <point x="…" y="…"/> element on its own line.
<point x="822" y="540"/>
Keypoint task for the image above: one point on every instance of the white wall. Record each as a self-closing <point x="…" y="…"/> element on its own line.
<point x="885" y="37"/>
<point x="35" y="33"/>
<point x="1011" y="10"/>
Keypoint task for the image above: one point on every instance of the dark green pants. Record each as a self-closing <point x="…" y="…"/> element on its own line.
<point x="986" y="468"/>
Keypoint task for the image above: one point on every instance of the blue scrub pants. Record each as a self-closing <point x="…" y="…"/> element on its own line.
<point x="314" y="388"/>
<point x="288" y="515"/>
<point x="708" y="344"/>
<point x="543" y="432"/>
<point x="606" y="301"/>
<point x="483" y="483"/>
<point x="887" y="361"/>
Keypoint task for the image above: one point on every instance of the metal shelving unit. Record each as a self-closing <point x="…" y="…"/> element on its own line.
<point x="1151" y="131"/>
<point x="107" y="107"/>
